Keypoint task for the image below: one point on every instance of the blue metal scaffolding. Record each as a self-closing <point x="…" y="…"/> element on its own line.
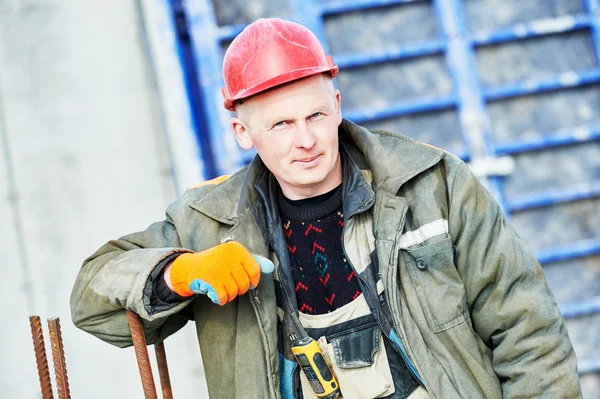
<point x="201" y="58"/>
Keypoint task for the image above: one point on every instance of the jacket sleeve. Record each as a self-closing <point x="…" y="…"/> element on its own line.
<point x="117" y="277"/>
<point x="511" y="306"/>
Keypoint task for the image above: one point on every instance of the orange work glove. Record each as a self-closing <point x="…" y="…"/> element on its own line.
<point x="222" y="272"/>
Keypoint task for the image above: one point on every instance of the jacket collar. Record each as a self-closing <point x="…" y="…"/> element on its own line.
<point x="392" y="160"/>
<point x="236" y="195"/>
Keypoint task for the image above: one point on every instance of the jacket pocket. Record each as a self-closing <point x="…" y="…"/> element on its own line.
<point x="438" y="285"/>
<point x="359" y="361"/>
<point x="356" y="348"/>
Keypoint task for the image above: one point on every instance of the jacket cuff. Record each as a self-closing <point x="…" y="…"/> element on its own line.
<point x="157" y="295"/>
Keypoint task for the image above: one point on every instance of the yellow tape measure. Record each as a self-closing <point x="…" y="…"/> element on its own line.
<point x="317" y="371"/>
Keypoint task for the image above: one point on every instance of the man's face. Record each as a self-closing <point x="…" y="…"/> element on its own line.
<point x="294" y="129"/>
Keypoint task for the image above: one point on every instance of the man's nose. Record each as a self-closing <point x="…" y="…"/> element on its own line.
<point x="305" y="137"/>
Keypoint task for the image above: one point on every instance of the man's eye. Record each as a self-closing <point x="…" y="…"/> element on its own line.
<point x="316" y="115"/>
<point x="279" y="124"/>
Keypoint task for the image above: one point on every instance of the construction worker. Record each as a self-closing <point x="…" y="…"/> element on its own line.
<point x="386" y="255"/>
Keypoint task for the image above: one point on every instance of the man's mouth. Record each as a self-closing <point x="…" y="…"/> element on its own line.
<point x="308" y="162"/>
<point x="308" y="159"/>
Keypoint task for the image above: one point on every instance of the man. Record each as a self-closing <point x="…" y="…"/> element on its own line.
<point x="387" y="252"/>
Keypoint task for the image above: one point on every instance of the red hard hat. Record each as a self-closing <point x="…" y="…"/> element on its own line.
<point x="268" y="53"/>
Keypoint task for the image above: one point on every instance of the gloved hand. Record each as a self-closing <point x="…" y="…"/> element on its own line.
<point x="221" y="272"/>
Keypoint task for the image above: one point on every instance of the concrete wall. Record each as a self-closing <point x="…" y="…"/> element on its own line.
<point x="83" y="159"/>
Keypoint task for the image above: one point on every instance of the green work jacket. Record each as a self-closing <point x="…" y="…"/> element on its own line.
<point x="469" y="302"/>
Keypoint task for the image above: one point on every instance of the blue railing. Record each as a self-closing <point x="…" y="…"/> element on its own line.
<point x="353" y="60"/>
<point x="558" y="138"/>
<point x="534" y="29"/>
<point x="555" y="197"/>
<point x="344" y="6"/>
<point x="593" y="9"/>
<point x="401" y="108"/>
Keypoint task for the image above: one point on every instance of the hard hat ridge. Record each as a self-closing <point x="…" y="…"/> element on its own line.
<point x="268" y="53"/>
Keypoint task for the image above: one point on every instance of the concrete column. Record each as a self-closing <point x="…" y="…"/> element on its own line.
<point x="83" y="160"/>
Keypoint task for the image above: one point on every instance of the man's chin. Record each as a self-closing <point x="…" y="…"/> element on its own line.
<point x="310" y="180"/>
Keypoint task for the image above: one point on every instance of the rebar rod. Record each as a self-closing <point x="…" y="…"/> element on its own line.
<point x="163" y="370"/>
<point x="58" y="356"/>
<point x="40" y="357"/>
<point x="141" y="354"/>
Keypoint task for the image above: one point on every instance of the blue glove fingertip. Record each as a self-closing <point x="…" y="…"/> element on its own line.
<point x="266" y="266"/>
<point x="212" y="295"/>
<point x="202" y="287"/>
<point x="199" y="286"/>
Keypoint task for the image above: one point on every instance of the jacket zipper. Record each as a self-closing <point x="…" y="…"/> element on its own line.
<point x="370" y="292"/>
<point x="255" y="301"/>
<point x="254" y="297"/>
<point x="290" y="309"/>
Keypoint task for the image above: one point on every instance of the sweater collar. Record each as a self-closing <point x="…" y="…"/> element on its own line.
<point x="310" y="208"/>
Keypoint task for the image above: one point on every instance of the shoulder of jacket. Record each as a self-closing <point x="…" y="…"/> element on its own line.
<point x="387" y="135"/>
<point x="213" y="182"/>
<point x="230" y="185"/>
<point x="449" y="158"/>
<point x="451" y="163"/>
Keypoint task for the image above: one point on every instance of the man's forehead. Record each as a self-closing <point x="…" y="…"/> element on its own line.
<point x="283" y="92"/>
<point x="286" y="105"/>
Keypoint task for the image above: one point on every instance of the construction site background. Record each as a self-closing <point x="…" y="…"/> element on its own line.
<point x="87" y="152"/>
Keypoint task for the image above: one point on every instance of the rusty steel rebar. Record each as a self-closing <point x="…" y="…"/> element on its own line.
<point x="141" y="354"/>
<point x="40" y="357"/>
<point x="163" y="370"/>
<point x="58" y="357"/>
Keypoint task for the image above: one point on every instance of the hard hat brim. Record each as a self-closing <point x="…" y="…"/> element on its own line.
<point x="291" y="76"/>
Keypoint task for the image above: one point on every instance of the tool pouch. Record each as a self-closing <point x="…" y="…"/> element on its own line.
<point x="358" y="358"/>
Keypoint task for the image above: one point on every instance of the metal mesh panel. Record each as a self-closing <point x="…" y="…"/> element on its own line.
<point x="583" y="332"/>
<point x="528" y="116"/>
<point x="233" y="12"/>
<point x="379" y="85"/>
<point x="554" y="168"/>
<point x="483" y="15"/>
<point x="590" y="385"/>
<point x="574" y="279"/>
<point x="428" y="128"/>
<point x="561" y="224"/>
<point x="536" y="58"/>
<point x="381" y="28"/>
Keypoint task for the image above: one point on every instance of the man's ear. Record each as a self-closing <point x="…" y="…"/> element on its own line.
<point x="338" y="104"/>
<point x="242" y="134"/>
